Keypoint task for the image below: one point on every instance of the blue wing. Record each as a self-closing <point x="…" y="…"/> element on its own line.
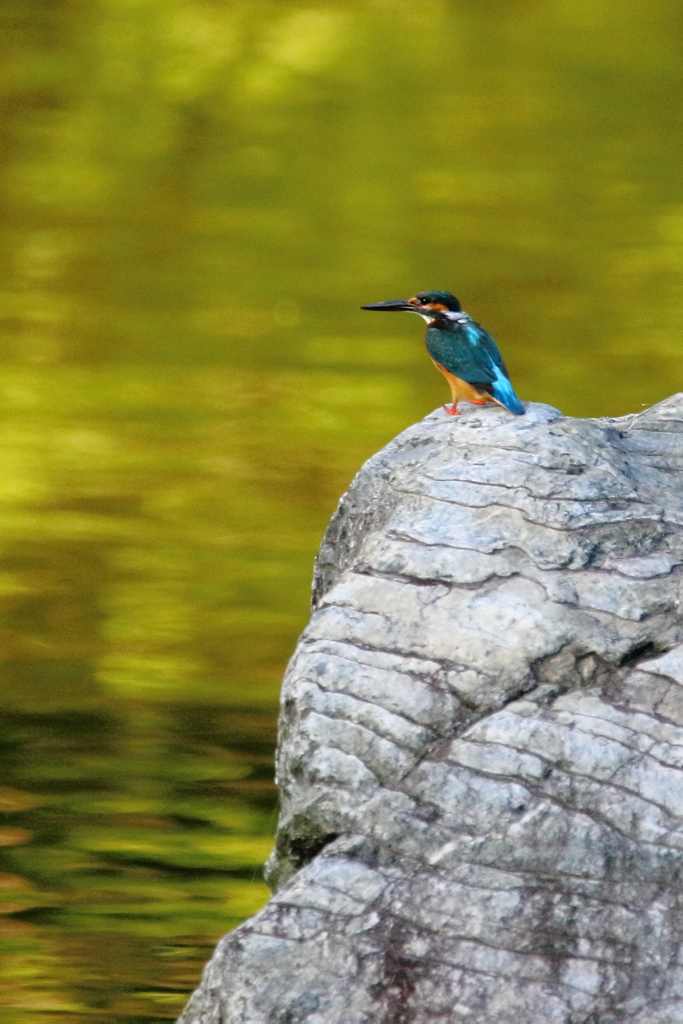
<point x="469" y="352"/>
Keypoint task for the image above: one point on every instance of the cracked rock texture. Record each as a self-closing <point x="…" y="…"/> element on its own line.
<point x="481" y="740"/>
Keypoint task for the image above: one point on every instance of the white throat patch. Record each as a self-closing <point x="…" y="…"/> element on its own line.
<point x="455" y="318"/>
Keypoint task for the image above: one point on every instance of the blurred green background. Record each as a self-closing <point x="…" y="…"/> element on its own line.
<point x="196" y="198"/>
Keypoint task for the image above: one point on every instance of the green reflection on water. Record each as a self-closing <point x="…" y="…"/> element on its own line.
<point x="158" y="528"/>
<point x="196" y="198"/>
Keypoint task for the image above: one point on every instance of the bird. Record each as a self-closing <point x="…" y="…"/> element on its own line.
<point x="461" y="349"/>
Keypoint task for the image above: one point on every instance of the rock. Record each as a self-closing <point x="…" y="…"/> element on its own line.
<point x="481" y="739"/>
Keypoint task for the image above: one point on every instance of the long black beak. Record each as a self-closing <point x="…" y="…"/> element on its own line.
<point x="401" y="305"/>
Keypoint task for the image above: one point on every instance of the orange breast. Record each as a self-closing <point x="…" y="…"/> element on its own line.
<point x="460" y="389"/>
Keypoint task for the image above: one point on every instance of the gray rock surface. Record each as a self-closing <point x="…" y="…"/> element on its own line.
<point x="481" y="740"/>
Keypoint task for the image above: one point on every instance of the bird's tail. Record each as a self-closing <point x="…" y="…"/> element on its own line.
<point x="504" y="393"/>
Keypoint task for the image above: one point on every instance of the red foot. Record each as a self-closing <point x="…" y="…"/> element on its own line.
<point x="452" y="410"/>
<point x="473" y="402"/>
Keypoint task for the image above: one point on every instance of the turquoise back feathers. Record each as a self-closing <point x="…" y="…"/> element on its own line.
<point x="470" y="353"/>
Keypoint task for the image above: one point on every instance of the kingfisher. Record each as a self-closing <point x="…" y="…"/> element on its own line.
<point x="461" y="349"/>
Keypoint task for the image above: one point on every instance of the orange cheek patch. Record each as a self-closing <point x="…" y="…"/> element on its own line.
<point x="438" y="307"/>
